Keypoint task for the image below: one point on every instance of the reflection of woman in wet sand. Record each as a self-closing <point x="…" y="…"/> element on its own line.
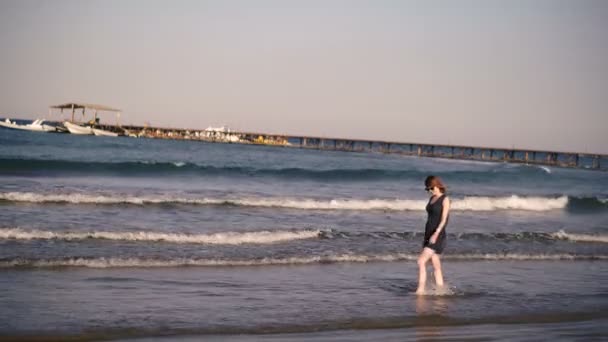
<point x="438" y="210"/>
<point x="425" y="307"/>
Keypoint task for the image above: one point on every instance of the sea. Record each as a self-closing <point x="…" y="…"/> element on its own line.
<point x="134" y="239"/>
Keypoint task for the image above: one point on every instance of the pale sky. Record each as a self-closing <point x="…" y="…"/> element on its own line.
<point x="523" y="74"/>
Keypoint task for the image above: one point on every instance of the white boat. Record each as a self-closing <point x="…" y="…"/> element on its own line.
<point x="104" y="133"/>
<point x="37" y="126"/>
<point x="132" y="134"/>
<point x="77" y="129"/>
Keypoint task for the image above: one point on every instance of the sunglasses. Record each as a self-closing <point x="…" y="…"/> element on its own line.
<point x="429" y="189"/>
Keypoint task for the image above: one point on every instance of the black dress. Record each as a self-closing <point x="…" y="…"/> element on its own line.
<point x="434" y="211"/>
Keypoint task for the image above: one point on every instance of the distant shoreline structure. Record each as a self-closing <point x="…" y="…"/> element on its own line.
<point x="485" y="154"/>
<point x="592" y="161"/>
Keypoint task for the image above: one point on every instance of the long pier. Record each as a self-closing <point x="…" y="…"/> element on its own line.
<point x="489" y="154"/>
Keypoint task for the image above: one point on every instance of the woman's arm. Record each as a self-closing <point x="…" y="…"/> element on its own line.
<point x="444" y="219"/>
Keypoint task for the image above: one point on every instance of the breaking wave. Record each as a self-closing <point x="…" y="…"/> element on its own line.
<point x="469" y="203"/>
<point x="580" y="237"/>
<point x="269" y="237"/>
<point x="520" y="236"/>
<point x="326" y="259"/>
<point x="227" y="238"/>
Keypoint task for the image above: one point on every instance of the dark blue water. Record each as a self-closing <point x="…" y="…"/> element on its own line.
<point x="125" y="238"/>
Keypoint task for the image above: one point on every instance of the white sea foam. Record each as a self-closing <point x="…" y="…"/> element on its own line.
<point x="473" y="203"/>
<point x="75" y="198"/>
<point x="524" y="257"/>
<point x="343" y="258"/>
<point x="510" y="203"/>
<point x="335" y="204"/>
<point x="544" y="168"/>
<point x="237" y="238"/>
<point x="227" y="238"/>
<point x="142" y="262"/>
<point x="581" y="237"/>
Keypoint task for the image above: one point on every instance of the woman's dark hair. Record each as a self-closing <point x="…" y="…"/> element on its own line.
<point x="432" y="181"/>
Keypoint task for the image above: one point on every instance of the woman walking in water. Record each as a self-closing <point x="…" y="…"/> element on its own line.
<point x="438" y="210"/>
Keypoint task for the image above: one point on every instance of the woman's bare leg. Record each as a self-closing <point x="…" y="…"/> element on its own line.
<point x="424" y="257"/>
<point x="437" y="266"/>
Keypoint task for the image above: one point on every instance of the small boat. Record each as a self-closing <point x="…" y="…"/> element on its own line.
<point x="37" y="126"/>
<point x="101" y="132"/>
<point x="131" y="134"/>
<point x="77" y="129"/>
